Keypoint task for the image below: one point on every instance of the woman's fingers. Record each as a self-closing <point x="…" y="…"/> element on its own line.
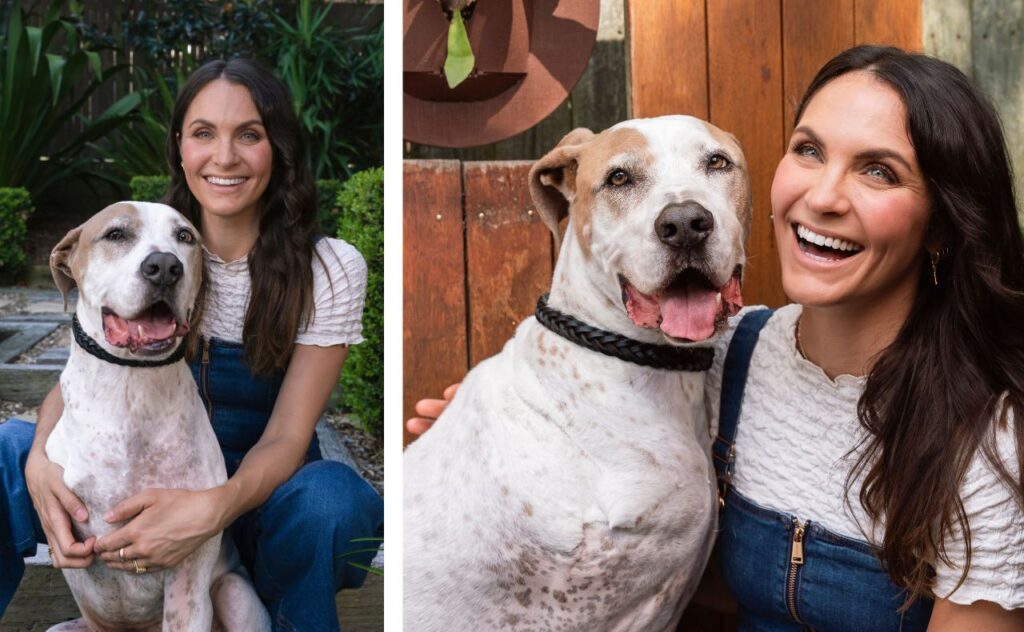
<point x="418" y="425"/>
<point x="431" y="408"/>
<point x="428" y="410"/>
<point x="449" y="393"/>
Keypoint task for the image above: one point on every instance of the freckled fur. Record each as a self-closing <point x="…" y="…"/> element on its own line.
<point x="611" y="458"/>
<point x="148" y="423"/>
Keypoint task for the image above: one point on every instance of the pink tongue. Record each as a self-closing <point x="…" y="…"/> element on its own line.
<point x="689" y="313"/>
<point x="140" y="331"/>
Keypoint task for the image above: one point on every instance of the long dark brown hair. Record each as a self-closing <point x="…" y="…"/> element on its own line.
<point x="935" y="397"/>
<point x="280" y="264"/>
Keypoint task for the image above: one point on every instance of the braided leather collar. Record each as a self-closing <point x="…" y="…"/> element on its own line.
<point x="618" y="346"/>
<point x="94" y="348"/>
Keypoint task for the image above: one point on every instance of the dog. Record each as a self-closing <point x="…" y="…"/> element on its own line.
<point x="138" y="267"/>
<point x="563" y="488"/>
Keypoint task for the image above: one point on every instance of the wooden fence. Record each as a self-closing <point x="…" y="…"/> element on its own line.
<point x="476" y="257"/>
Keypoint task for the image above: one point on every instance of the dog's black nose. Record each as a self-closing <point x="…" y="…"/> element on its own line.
<point x="161" y="268"/>
<point x="684" y="225"/>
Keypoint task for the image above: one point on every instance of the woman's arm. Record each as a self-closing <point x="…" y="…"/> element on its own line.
<point x="54" y="502"/>
<point x="983" y="616"/>
<point x="167" y="525"/>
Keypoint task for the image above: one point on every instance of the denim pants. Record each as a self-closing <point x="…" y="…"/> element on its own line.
<point x="298" y="546"/>
<point x="787" y="574"/>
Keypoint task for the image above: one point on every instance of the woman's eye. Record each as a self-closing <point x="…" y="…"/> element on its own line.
<point x="115" y="234"/>
<point x="251" y="137"/>
<point x="185" y="236"/>
<point x="717" y="162"/>
<point x="618" y="178"/>
<point x="882" y="173"/>
<point x="204" y="134"/>
<point x="806" y="149"/>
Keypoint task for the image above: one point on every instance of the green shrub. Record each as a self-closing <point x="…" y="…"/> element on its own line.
<point x="150" y="188"/>
<point x="15" y="206"/>
<point x="362" y="224"/>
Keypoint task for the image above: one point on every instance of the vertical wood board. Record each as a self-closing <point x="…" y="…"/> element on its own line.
<point x="433" y="281"/>
<point x="746" y="100"/>
<point x="888" y="22"/>
<point x="668" y="58"/>
<point x="508" y="253"/>
<point x="812" y="33"/>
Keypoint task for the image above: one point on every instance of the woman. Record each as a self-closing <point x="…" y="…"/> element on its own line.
<point x="281" y="307"/>
<point x="877" y="449"/>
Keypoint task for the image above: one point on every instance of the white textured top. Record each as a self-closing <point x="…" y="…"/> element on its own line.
<point x="795" y="429"/>
<point x="337" y="314"/>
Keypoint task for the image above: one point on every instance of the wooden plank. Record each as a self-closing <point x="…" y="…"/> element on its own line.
<point x="997" y="51"/>
<point x="812" y="33"/>
<point x="508" y="253"/>
<point x="434" y="298"/>
<point x="668" y="57"/>
<point x="888" y="22"/>
<point x="746" y="99"/>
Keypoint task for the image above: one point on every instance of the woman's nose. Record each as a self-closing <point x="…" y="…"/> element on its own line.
<point x="827" y="193"/>
<point x="224" y="154"/>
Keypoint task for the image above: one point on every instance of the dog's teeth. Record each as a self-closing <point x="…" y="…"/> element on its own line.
<point x="718" y="299"/>
<point x="140" y="329"/>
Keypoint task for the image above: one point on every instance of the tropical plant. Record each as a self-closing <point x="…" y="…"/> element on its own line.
<point x="336" y="77"/>
<point x="39" y="97"/>
<point x="15" y="207"/>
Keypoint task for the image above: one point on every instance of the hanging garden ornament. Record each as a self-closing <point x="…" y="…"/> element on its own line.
<point x="460" y="61"/>
<point x="517" y="62"/>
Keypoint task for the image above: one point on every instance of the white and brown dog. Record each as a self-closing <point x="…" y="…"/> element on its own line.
<point x="133" y="418"/>
<point x="562" y="488"/>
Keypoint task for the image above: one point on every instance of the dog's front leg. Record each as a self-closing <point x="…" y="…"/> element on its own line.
<point x="187" y="604"/>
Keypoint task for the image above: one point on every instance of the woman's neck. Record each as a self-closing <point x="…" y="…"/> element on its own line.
<point x="846" y="339"/>
<point x="230" y="238"/>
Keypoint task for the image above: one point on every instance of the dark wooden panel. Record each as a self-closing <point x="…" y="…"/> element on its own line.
<point x="668" y="57"/>
<point x="746" y="99"/>
<point x="508" y="253"/>
<point x="433" y="278"/>
<point x="889" y="22"/>
<point x="812" y="33"/>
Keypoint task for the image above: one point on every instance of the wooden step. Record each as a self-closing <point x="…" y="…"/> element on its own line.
<point x="43" y="600"/>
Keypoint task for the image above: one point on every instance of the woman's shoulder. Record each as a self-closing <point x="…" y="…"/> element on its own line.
<point x="338" y="255"/>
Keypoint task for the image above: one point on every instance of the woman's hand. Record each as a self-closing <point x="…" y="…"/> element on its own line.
<point x="429" y="410"/>
<point x="56" y="505"/>
<point x="164" y="527"/>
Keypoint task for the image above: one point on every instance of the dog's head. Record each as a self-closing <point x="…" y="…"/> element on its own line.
<point x="662" y="206"/>
<point x="138" y="267"/>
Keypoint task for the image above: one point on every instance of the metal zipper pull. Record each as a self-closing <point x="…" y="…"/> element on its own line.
<point x="206" y="351"/>
<point x="797" y="555"/>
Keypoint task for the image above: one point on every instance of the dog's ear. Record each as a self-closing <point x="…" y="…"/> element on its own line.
<point x="553" y="178"/>
<point x="60" y="262"/>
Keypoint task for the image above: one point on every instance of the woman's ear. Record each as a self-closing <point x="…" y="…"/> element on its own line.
<point x="553" y="178"/>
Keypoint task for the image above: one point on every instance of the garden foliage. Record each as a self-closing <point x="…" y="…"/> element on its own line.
<point x="150" y="188"/>
<point x="15" y="207"/>
<point x="46" y="78"/>
<point x="362" y="224"/>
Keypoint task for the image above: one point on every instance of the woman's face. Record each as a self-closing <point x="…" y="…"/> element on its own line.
<point x="850" y="203"/>
<point x="225" y="152"/>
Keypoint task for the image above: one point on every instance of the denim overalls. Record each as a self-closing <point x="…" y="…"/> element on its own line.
<point x="787" y="574"/>
<point x="298" y="546"/>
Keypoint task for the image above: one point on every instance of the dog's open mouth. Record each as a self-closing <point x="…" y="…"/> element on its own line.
<point x="152" y="330"/>
<point x="689" y="309"/>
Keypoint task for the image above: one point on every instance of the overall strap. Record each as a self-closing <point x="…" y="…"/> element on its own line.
<point x="734" y="380"/>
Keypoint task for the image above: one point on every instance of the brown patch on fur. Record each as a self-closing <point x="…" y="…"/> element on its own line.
<point x="70" y="255"/>
<point x="739" y="182"/>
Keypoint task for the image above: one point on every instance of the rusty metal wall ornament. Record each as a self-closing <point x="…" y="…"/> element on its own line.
<point x="528" y="56"/>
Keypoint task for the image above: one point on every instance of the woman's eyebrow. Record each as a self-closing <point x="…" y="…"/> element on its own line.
<point x="871" y="154"/>
<point x="206" y="123"/>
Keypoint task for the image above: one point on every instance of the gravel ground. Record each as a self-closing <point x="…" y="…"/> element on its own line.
<point x="13" y="409"/>
<point x="61" y="337"/>
<point x="366" y="451"/>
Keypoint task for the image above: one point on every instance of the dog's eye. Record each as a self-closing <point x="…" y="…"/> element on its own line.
<point x="115" y="234"/>
<point x="618" y="178"/>
<point x="185" y="236"/>
<point x="717" y="162"/>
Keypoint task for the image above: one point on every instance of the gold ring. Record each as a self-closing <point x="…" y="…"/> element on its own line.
<point x="120" y="554"/>
<point x="138" y="569"/>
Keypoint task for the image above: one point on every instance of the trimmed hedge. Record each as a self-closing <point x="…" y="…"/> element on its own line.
<point x="362" y="224"/>
<point x="149" y="188"/>
<point x="328" y="213"/>
<point x="15" y="207"/>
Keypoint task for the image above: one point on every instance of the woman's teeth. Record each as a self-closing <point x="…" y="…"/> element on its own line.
<point x="827" y="242"/>
<point x="224" y="181"/>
